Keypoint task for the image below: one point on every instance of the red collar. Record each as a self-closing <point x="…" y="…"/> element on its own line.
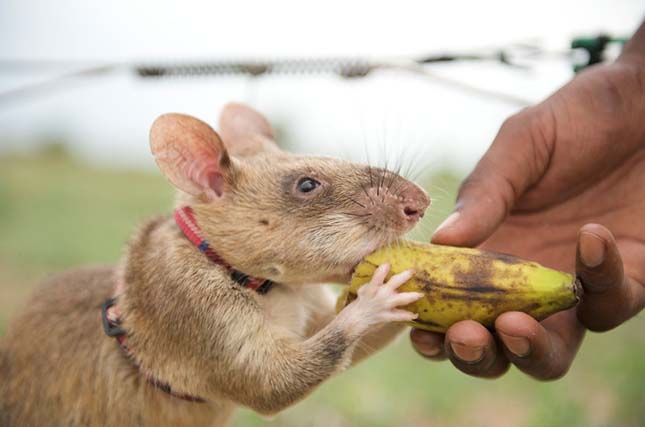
<point x="111" y="315"/>
<point x="185" y="219"/>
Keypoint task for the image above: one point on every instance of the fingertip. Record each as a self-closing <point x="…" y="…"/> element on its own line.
<point x="452" y="232"/>
<point x="472" y="349"/>
<point x="380" y="274"/>
<point x="469" y="332"/>
<point x="516" y="323"/>
<point x="447" y="224"/>
<point x="516" y="330"/>
<point x="406" y="274"/>
<point x="609" y="296"/>
<point x="468" y="340"/>
<point x="460" y="228"/>
<point x="428" y="344"/>
<point x="593" y="241"/>
<point x="542" y="350"/>
<point x="599" y="265"/>
<point x="597" y="230"/>
<point x="402" y="315"/>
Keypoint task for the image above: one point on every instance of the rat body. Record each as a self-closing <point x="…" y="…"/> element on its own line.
<point x="297" y="221"/>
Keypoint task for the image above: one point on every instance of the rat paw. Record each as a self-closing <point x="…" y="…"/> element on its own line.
<point x="377" y="300"/>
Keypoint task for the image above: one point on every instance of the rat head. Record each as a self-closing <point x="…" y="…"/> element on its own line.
<point x="271" y="214"/>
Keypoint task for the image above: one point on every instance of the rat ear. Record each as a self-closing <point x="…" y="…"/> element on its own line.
<point x="190" y="154"/>
<point x="245" y="131"/>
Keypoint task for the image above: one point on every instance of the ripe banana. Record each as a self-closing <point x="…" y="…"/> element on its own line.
<point x="463" y="283"/>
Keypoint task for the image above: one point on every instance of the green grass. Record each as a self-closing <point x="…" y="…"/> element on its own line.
<point x="56" y="213"/>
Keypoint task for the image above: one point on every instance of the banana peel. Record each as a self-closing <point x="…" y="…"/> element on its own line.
<point x="464" y="283"/>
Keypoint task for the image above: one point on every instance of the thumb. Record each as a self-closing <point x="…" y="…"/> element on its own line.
<point x="609" y="297"/>
<point x="517" y="158"/>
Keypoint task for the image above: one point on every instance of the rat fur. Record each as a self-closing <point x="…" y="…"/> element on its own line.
<point x="188" y="323"/>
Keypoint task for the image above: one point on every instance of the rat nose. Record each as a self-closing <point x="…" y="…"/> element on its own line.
<point x="414" y="204"/>
<point x="412" y="213"/>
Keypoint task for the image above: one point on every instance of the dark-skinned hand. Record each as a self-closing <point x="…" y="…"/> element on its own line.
<point x="563" y="184"/>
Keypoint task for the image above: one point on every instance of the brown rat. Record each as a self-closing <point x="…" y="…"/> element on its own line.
<point x="292" y="220"/>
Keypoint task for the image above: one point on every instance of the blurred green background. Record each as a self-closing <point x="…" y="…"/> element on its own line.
<point x="56" y="212"/>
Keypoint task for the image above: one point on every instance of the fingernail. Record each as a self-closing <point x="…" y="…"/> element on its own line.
<point x="466" y="353"/>
<point x="592" y="250"/>
<point x="428" y="348"/>
<point x="519" y="346"/>
<point x="448" y="222"/>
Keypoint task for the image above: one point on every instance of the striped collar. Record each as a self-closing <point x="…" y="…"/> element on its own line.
<point x="185" y="219"/>
<point x="111" y="315"/>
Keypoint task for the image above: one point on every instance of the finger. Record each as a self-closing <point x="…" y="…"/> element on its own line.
<point x="609" y="297"/>
<point x="406" y="298"/>
<point x="380" y="274"/>
<point x="428" y="344"/>
<point x="398" y="279"/>
<point x="472" y="349"/>
<point x="544" y="351"/>
<point x="517" y="159"/>
<point x="397" y="315"/>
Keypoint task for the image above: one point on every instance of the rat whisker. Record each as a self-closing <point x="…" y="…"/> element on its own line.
<point x="367" y="156"/>
<point x="351" y="199"/>
<point x="395" y="191"/>
<point x="382" y="178"/>
<point x="367" y="194"/>
<point x="413" y="165"/>
<point x="404" y="159"/>
<point x="434" y="187"/>
<point x="356" y="215"/>
<point x="394" y="176"/>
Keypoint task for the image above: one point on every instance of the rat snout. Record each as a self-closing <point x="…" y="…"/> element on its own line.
<point x="414" y="203"/>
<point x="395" y="206"/>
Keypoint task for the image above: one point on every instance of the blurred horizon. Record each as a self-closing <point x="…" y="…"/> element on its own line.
<point x="105" y="119"/>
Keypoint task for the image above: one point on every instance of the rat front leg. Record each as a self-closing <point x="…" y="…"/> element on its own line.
<point x="376" y="340"/>
<point x="322" y="303"/>
<point x="272" y="370"/>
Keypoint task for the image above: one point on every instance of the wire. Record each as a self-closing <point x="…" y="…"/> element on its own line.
<point x="41" y="88"/>
<point x="343" y="67"/>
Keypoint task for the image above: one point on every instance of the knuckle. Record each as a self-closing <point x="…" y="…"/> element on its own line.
<point x="383" y="293"/>
<point x="365" y="290"/>
<point x="515" y="121"/>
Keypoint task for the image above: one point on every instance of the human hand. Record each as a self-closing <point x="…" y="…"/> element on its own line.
<point x="576" y="158"/>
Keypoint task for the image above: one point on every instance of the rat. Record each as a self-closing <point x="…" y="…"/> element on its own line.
<point x="224" y="304"/>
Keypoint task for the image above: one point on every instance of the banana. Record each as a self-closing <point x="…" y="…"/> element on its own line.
<point x="463" y="283"/>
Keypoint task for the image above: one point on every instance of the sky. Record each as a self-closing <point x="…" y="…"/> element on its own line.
<point x="388" y="116"/>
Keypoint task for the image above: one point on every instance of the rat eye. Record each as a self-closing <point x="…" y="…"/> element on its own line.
<point x="306" y="185"/>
